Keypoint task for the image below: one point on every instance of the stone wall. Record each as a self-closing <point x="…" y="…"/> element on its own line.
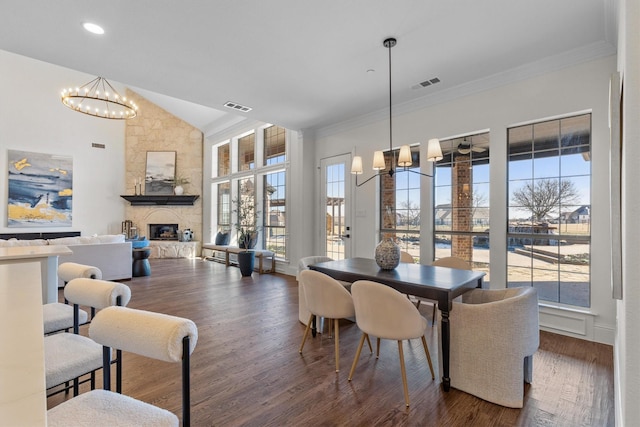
<point x="157" y="130"/>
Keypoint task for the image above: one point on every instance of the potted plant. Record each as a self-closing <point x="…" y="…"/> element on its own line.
<point x="178" y="183"/>
<point x="247" y="228"/>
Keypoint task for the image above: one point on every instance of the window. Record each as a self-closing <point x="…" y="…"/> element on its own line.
<point x="274" y="145"/>
<point x="224" y="164"/>
<point x="224" y="205"/>
<point x="461" y="207"/>
<point x="549" y="225"/>
<point x="400" y="204"/>
<point x="259" y="177"/>
<point x="246" y="151"/>
<point x="275" y="213"/>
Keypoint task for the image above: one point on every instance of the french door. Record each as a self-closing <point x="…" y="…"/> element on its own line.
<point x="335" y="203"/>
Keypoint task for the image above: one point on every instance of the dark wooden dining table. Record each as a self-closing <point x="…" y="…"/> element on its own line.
<point x="441" y="284"/>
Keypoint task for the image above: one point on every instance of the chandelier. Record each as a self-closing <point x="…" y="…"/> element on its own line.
<point x="99" y="99"/>
<point x="434" y="152"/>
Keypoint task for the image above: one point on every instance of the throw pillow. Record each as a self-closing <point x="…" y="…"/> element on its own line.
<point x="222" y="239"/>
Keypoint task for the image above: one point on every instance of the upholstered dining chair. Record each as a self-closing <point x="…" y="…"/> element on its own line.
<point x="303" y="264"/>
<point x="326" y="297"/>
<point x="406" y="257"/>
<point x="385" y="313"/>
<point x="494" y="334"/>
<point x="68" y="356"/>
<point x="154" y="335"/>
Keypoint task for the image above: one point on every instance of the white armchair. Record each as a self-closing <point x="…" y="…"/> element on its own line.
<point x="494" y="334"/>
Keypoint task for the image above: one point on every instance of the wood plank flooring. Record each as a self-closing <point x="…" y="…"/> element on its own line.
<point x="246" y="369"/>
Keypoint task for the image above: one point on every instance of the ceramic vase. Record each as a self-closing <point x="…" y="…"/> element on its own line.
<point x="246" y="262"/>
<point x="387" y="254"/>
<point x="178" y="190"/>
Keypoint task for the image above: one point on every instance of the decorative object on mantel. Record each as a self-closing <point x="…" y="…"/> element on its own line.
<point x="169" y="200"/>
<point x="99" y="99"/>
<point x="178" y="184"/>
<point x="434" y="152"/>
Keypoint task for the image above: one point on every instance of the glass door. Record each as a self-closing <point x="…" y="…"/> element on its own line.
<point x="336" y="231"/>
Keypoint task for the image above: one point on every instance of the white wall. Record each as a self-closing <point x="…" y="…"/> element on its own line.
<point x="627" y="346"/>
<point x="576" y="89"/>
<point x="32" y="118"/>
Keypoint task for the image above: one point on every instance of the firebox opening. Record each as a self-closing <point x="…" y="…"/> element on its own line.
<point x="163" y="231"/>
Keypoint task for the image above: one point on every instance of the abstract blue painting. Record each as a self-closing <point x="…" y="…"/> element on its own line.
<point x="40" y="190"/>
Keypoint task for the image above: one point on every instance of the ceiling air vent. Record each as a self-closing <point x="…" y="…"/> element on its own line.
<point x="427" y="83"/>
<point x="237" y="107"/>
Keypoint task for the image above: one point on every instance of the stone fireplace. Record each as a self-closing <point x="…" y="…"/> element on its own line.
<point x="163" y="231"/>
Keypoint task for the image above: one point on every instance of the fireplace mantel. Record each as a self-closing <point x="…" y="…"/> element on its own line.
<point x="184" y="200"/>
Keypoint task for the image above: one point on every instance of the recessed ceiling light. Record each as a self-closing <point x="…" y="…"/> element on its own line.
<point x="93" y="28"/>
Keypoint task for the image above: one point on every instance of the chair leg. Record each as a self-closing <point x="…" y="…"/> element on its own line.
<point x="306" y="332"/>
<point x="369" y="342"/>
<point x="378" y="348"/>
<point x="528" y="369"/>
<point x="404" y="373"/>
<point x="426" y="351"/>
<point x="336" y="343"/>
<point x="433" y="315"/>
<point x="355" y="361"/>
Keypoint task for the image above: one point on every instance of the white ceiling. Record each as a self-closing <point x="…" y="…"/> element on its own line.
<point x="303" y="64"/>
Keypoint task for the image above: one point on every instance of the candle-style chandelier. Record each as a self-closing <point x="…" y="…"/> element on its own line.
<point x="99" y="99"/>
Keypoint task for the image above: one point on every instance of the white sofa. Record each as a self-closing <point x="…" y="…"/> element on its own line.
<point x="110" y="253"/>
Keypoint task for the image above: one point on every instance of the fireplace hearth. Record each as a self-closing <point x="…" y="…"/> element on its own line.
<point x="163" y="231"/>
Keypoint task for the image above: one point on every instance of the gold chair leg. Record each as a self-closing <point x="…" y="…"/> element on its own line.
<point x="369" y="342"/>
<point x="378" y="348"/>
<point x="426" y="351"/>
<point x="404" y="374"/>
<point x="306" y="332"/>
<point x="336" y="343"/>
<point x="355" y="361"/>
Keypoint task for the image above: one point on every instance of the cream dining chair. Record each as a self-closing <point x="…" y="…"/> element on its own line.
<point x="385" y="313"/>
<point x="326" y="297"/>
<point x="494" y="334"/>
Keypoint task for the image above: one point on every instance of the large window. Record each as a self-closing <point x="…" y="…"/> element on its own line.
<point x="224" y="206"/>
<point x="549" y="229"/>
<point x="400" y="204"/>
<point x="259" y="177"/>
<point x="274" y="145"/>
<point x="461" y="207"/>
<point x="224" y="164"/>
<point x="275" y="213"/>
<point x="246" y="152"/>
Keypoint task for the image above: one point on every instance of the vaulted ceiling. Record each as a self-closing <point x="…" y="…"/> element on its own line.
<point x="307" y="64"/>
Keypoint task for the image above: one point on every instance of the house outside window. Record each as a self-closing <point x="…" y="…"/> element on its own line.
<point x="549" y="222"/>
<point x="274" y="145"/>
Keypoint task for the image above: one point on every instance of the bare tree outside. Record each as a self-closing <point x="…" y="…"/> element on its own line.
<point x="410" y="213"/>
<point x="544" y="195"/>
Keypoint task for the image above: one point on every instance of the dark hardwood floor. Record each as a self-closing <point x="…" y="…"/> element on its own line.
<point x="246" y="369"/>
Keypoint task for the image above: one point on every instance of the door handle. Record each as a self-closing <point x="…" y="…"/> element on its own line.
<point x="346" y="236"/>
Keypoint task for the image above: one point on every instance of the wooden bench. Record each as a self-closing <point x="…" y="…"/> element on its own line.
<point x="261" y="254"/>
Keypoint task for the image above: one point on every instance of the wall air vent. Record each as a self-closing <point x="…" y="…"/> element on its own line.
<point x="237" y="107"/>
<point x="426" y="83"/>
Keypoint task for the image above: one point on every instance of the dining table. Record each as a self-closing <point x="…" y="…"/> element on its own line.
<point x="441" y="284"/>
